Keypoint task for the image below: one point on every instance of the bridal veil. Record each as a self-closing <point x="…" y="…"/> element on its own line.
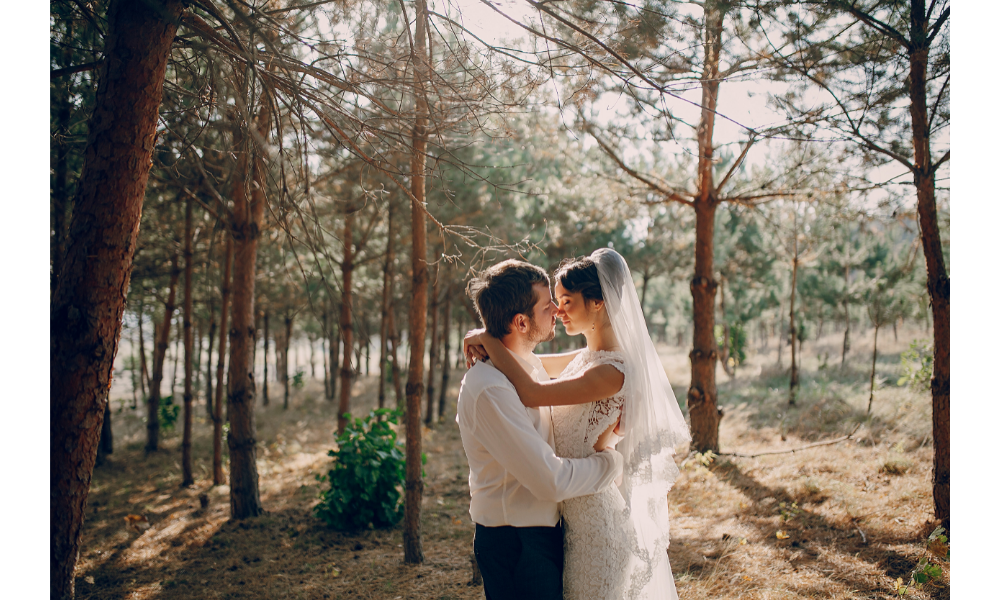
<point x="652" y="425"/>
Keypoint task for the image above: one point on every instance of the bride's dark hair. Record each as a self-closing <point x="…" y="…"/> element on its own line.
<point x="580" y="275"/>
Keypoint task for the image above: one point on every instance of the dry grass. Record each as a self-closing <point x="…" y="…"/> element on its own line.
<point x="855" y="513"/>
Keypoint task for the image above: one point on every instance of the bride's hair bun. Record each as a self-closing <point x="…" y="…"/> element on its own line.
<point x="580" y="275"/>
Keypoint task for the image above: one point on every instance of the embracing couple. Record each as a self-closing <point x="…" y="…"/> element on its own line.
<point x="571" y="455"/>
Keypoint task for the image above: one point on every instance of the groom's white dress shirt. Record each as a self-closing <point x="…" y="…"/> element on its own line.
<point x="515" y="476"/>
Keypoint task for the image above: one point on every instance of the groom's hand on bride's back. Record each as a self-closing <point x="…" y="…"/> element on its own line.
<point x="472" y="348"/>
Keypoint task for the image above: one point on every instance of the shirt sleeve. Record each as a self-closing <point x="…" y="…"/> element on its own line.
<point x="504" y="429"/>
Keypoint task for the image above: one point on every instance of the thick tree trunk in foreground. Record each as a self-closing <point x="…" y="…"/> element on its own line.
<point x="346" y="326"/>
<point x="446" y="354"/>
<point x="218" y="477"/>
<point x="187" y="474"/>
<point x="248" y="216"/>
<point x="938" y="281"/>
<point x="89" y="298"/>
<point x="161" y="334"/>
<point x="413" y="552"/>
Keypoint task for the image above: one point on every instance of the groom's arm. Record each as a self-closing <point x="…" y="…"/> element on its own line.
<point x="505" y="430"/>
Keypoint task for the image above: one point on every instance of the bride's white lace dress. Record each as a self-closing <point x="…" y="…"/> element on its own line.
<point x="596" y="530"/>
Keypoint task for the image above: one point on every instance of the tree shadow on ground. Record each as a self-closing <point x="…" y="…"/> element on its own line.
<point x="829" y="549"/>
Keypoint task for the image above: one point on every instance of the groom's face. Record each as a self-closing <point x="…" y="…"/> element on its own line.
<point x="542" y="324"/>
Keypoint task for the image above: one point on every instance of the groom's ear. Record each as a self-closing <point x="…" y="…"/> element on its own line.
<point x="520" y="323"/>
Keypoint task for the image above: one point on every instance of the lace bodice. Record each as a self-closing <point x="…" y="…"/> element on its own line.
<point x="577" y="427"/>
<point x="598" y="538"/>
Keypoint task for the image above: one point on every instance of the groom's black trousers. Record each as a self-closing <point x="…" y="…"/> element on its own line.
<point x="519" y="563"/>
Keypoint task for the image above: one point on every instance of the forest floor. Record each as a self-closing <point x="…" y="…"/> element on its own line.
<point x="836" y="521"/>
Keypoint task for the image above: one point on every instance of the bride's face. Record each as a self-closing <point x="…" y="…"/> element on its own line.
<point x="577" y="315"/>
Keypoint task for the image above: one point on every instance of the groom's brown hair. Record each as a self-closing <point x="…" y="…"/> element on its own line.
<point x="503" y="291"/>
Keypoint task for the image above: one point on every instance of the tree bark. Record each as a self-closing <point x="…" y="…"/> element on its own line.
<point x="412" y="547"/>
<point x="445" y="359"/>
<point x="162" y="335"/>
<point x="187" y="474"/>
<point x="89" y="297"/>
<point x="702" y="395"/>
<point x="429" y="415"/>
<point x="346" y="326"/>
<point x="938" y="280"/>
<point x="248" y="216"/>
<point x="218" y="477"/>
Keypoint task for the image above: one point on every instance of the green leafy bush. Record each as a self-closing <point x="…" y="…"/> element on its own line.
<point x="918" y="365"/>
<point x="366" y="481"/>
<point x="298" y="380"/>
<point x="168" y="413"/>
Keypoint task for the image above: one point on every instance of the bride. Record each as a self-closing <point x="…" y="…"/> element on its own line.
<point x="615" y="541"/>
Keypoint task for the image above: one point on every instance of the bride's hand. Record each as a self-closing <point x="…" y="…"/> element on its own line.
<point x="472" y="347"/>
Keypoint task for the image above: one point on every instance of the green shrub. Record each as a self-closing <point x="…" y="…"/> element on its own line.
<point x="366" y="481"/>
<point x="168" y="413"/>
<point x="298" y="380"/>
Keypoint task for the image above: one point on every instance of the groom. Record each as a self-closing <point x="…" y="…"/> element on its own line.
<point x="516" y="479"/>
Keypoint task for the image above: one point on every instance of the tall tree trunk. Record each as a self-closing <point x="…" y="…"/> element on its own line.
<point x="346" y="326"/>
<point x="248" y="217"/>
<point x="793" y="381"/>
<point x="218" y="477"/>
<point x="938" y="280"/>
<point x="187" y="474"/>
<point x="871" y="392"/>
<point x="702" y="395"/>
<point x="267" y="337"/>
<point x="288" y="343"/>
<point x="89" y="297"/>
<point x="429" y="416"/>
<point x="446" y="354"/>
<point x="412" y="547"/>
<point x="162" y="335"/>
